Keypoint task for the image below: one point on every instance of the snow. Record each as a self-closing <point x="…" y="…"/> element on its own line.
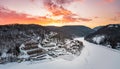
<point x="116" y="26"/>
<point x="111" y="26"/>
<point x="4" y="55"/>
<point x="98" y="39"/>
<point x="92" y="57"/>
<point x="24" y="53"/>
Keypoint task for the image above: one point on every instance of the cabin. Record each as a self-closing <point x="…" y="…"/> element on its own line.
<point x="32" y="49"/>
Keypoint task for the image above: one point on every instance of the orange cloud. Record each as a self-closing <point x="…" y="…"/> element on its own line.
<point x="56" y="11"/>
<point x="56" y="8"/>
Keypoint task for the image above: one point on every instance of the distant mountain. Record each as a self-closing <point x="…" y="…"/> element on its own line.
<point x="73" y="30"/>
<point x="34" y="42"/>
<point x="107" y="35"/>
<point x="97" y="28"/>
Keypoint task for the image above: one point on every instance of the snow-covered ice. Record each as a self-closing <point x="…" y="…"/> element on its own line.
<point x="92" y="57"/>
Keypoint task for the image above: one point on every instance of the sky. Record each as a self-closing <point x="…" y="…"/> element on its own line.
<point x="90" y="13"/>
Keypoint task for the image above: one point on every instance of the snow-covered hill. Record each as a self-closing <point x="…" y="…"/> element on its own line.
<point x="108" y="36"/>
<point x="92" y="57"/>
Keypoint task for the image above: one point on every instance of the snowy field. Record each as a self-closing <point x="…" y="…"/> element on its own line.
<point x="92" y="57"/>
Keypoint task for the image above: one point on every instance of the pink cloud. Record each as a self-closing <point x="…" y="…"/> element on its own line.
<point x="96" y="17"/>
<point x="118" y="14"/>
<point x="85" y="19"/>
<point x="105" y="2"/>
<point x="73" y="19"/>
<point x="109" y="1"/>
<point x="6" y="13"/>
<point x="115" y="18"/>
<point x="10" y="16"/>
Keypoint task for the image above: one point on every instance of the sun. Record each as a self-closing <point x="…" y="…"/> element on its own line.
<point x="55" y="24"/>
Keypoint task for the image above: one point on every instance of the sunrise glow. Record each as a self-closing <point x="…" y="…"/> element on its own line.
<point x="90" y="13"/>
